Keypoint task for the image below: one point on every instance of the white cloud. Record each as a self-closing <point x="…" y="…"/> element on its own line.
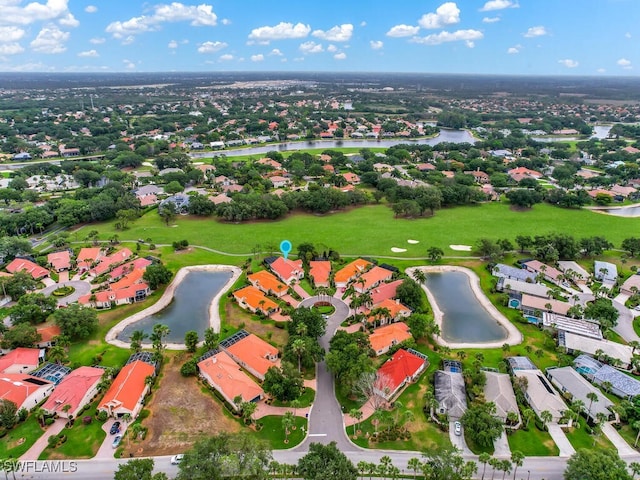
<point x="227" y="57"/>
<point x="363" y="23"/>
<point x="498" y="5"/>
<point x="490" y="19"/>
<point x="128" y="64"/>
<point x="332" y="48"/>
<point x="601" y="70"/>
<point x="340" y="56"/>
<point x="225" y="21"/>
<point x="69" y="20"/>
<point x="446" y="14"/>
<point x="11" y="34"/>
<point x="276" y="52"/>
<point x="467" y="36"/>
<point x="172" y="44"/>
<point x="567" y="62"/>
<point x="284" y="30"/>
<point x="50" y="40"/>
<point x="339" y="33"/>
<point x="376" y="44"/>
<point x="89" y="53"/>
<point x="14" y="13"/>
<point x="197" y="16"/>
<point x="624" y="63"/>
<point x="91" y="9"/>
<point x="11" y="48"/>
<point x="515" y="49"/>
<point x="98" y="40"/>
<point x="311" y="47"/>
<point x="211" y="47"/>
<point x="538" y="31"/>
<point x="398" y="31"/>
<point x="257" y="58"/>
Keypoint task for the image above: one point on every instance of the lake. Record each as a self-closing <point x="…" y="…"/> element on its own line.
<point x="464" y="320"/>
<point x="189" y="309"/>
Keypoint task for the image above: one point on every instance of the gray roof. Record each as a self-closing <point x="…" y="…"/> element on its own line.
<point x="499" y="390"/>
<point x="568" y="380"/>
<point x="450" y="393"/>
<point x="535" y="289"/>
<point x="591" y="345"/>
<point x="521" y="363"/>
<point x="566" y="265"/>
<point x="540" y="394"/>
<point x="609" y="271"/>
<point x="502" y="270"/>
<point x="622" y="385"/>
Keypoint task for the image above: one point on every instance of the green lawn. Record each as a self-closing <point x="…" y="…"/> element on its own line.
<point x="373" y="230"/>
<point x="579" y="438"/>
<point x="18" y="440"/>
<point x="306" y="399"/>
<point x="533" y="443"/>
<point x="83" y="441"/>
<point x="629" y="434"/>
<point x="273" y="432"/>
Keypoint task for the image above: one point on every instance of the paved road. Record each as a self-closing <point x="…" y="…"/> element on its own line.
<point x="325" y="420"/>
<point x="81" y="288"/>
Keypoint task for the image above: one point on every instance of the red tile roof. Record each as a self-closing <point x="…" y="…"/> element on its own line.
<point x="286" y="269"/>
<point x="351" y="270"/>
<point x="17" y="387"/>
<point x="225" y="374"/>
<point x="108" y="262"/>
<point x="320" y="271"/>
<point x="72" y="389"/>
<point x="23" y="265"/>
<point x="255" y="299"/>
<point x="400" y="368"/>
<point x="374" y="277"/>
<point x="254" y="354"/>
<point x="267" y="282"/>
<point x="385" y="337"/>
<point x="384" y="291"/>
<point x="20" y="356"/>
<point x="48" y="332"/>
<point x="127" y="388"/>
<point x="60" y="260"/>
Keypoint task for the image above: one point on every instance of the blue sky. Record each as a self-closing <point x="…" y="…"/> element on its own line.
<point x="523" y="37"/>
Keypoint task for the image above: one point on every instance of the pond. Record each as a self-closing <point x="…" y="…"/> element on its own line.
<point x="629" y="211"/>
<point x="189" y="309"/>
<point x="464" y="319"/>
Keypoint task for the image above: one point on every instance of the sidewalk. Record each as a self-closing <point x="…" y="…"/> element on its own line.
<point x="37" y="448"/>
<point x="263" y="410"/>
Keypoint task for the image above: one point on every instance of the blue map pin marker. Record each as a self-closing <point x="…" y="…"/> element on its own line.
<point x="285" y="248"/>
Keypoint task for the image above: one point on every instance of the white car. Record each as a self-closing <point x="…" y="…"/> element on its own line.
<point x="176" y="459"/>
<point x="457" y="428"/>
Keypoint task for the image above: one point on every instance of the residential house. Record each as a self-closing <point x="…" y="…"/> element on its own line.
<point x="107" y="263"/>
<point x="251" y="353"/>
<point x="540" y="395"/>
<point x="372" y="278"/>
<point x="501" y="270"/>
<point x="535" y="306"/>
<point x="224" y="375"/>
<point x="279" y="181"/>
<point x="127" y="392"/>
<point x="574" y="272"/>
<point x="351" y="178"/>
<point x="402" y="368"/>
<point x="478" y="176"/>
<point x="76" y="390"/>
<point x="87" y="257"/>
<point x="572" y="342"/>
<point x="180" y="201"/>
<point x="252" y="299"/>
<point x="549" y="273"/>
<point x="24" y="265"/>
<point x="605" y="272"/>
<point x="122" y="296"/>
<point x="320" y="272"/>
<point x="576" y="387"/>
<point x="26" y="391"/>
<point x="268" y="283"/>
<point x="48" y="334"/>
<point x="520" y="173"/>
<point x="350" y="271"/>
<point x="631" y="285"/>
<point x="395" y="309"/>
<point x="577" y="326"/>
<point x="499" y="390"/>
<point x="288" y="270"/>
<point x="21" y="360"/>
<point x="122" y="270"/>
<point x="60" y="261"/>
<point x="221" y="198"/>
<point x="618" y="383"/>
<point x="518" y="287"/>
<point x="384" y="291"/>
<point x="450" y="393"/>
<point x="386" y="337"/>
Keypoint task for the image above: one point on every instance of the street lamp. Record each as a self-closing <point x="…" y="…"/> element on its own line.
<point x="528" y="474"/>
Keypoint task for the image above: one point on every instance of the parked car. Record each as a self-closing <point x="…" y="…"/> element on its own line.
<point x="116" y="441"/>
<point x="176" y="459"/>
<point x="457" y="428"/>
<point x="115" y="428"/>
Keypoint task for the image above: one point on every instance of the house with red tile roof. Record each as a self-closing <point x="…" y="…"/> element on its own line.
<point x="287" y="270"/>
<point x="402" y="368"/>
<point x="47" y="335"/>
<point x="520" y="173"/>
<point x="59" y="261"/>
<point x="24" y="390"/>
<point x="128" y="390"/>
<point x="394" y="307"/>
<point x="351" y="178"/>
<point x="107" y="263"/>
<point x="128" y="280"/>
<point x="24" y="265"/>
<point x="372" y="278"/>
<point x="223" y="374"/>
<point x="383" y="338"/>
<point x="252" y="299"/>
<point x="268" y="283"/>
<point x="21" y="360"/>
<point x="549" y="273"/>
<point x="122" y="270"/>
<point x="87" y="257"/>
<point x="254" y="355"/>
<point x="350" y="271"/>
<point x="384" y="291"/>
<point x="76" y="390"/>
<point x="320" y="272"/>
<point x="123" y="296"/>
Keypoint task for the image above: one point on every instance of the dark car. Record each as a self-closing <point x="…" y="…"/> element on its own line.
<point x="115" y="428"/>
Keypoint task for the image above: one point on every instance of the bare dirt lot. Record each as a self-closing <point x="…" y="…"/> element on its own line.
<point x="181" y="414"/>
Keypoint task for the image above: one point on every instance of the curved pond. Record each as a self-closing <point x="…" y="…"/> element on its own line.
<point x="630" y="211"/>
<point x="465" y="320"/>
<point x="189" y="309"/>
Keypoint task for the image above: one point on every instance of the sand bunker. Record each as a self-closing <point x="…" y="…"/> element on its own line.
<point x="413" y="242"/>
<point x="461" y="248"/>
<point x="398" y="250"/>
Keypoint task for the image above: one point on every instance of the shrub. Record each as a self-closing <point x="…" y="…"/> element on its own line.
<point x="102" y="415"/>
<point x="23" y="413"/>
<point x="49" y="421"/>
<point x="53" y="441"/>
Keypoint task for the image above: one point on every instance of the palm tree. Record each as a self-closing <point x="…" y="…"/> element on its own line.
<point x="461" y="354"/>
<point x="636" y="426"/>
<point x="287" y="423"/>
<point x="505" y="466"/>
<point x="248" y="409"/>
<point x="419" y="276"/>
<point x="356" y="414"/>
<point x="57" y="354"/>
<point x="635" y="469"/>
<point x="385" y="465"/>
<point x="593" y="397"/>
<point x="484" y="458"/>
<point x="415" y="464"/>
<point x="137" y="337"/>
<point x="40" y="414"/>
<point x="299" y="347"/>
<point x="494" y="463"/>
<point x="546" y="417"/>
<point x="295" y="404"/>
<point x="517" y="458"/>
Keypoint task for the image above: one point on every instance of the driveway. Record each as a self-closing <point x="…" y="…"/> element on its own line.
<point x="458" y="440"/>
<point x="106" y="451"/>
<point x="38" y="447"/>
<point x="501" y="446"/>
<point x="81" y="288"/>
<point x="561" y="440"/>
<point x="624" y="449"/>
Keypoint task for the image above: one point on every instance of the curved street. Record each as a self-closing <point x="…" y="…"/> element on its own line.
<point x="81" y="288"/>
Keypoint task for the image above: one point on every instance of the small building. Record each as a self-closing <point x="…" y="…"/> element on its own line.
<point x="26" y="391"/>
<point x="404" y="367"/>
<point x="224" y="375"/>
<point x="76" y="390"/>
<point x="386" y="337"/>
<point x="27" y="266"/>
<point x="251" y="353"/>
<point x="48" y="335"/>
<point x="320" y="272"/>
<point x="499" y="390"/>
<point x="576" y="387"/>
<point x="605" y="272"/>
<point x="268" y="283"/>
<point x="619" y="383"/>
<point x="21" y="360"/>
<point x="540" y="395"/>
<point x="287" y="270"/>
<point x="60" y="261"/>
<point x="350" y="271"/>
<point x="450" y="393"/>
<point x="127" y="392"/>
